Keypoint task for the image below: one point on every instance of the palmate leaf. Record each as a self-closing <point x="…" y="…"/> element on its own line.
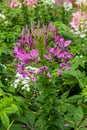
<point x="7" y="106"/>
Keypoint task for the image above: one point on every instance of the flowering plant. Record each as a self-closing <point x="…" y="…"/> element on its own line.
<point x="79" y="23"/>
<point x="42" y="48"/>
<point x="38" y="53"/>
<point x="18" y="3"/>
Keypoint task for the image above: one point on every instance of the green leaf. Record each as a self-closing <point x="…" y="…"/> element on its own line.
<point x="30" y="116"/>
<point x="78" y="115"/>
<point x="22" y="120"/>
<point x="12" y="109"/>
<point x="61" y="26"/>
<point x="19" y="100"/>
<point x="82" y="129"/>
<point x="1" y="92"/>
<point x="17" y="127"/>
<point x="4" y="119"/>
<point x="47" y="107"/>
<point x="84" y="123"/>
<point x="70" y="108"/>
<point x="39" y="122"/>
<point x="75" y="98"/>
<point x="6" y="101"/>
<point x="65" y="95"/>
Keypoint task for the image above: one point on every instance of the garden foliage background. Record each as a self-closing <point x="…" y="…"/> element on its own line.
<point x="53" y="97"/>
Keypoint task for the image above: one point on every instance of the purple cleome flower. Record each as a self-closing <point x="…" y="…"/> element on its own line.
<point x="25" y="126"/>
<point x="66" y="125"/>
<point x="28" y="52"/>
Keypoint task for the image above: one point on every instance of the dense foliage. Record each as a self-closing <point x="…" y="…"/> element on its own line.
<point x="43" y="65"/>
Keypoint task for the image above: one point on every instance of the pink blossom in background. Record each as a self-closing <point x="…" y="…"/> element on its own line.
<point x="30" y="2"/>
<point x="78" y="22"/>
<point x="78" y="18"/>
<point x="66" y="125"/>
<point x="60" y="72"/>
<point x="17" y="3"/>
<point x="60" y="2"/>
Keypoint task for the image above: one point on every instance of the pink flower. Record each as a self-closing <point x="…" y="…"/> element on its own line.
<point x="34" y="53"/>
<point x="78" y="21"/>
<point x="60" y="72"/>
<point x="48" y="57"/>
<point x="56" y="51"/>
<point x="67" y="43"/>
<point x="21" y="54"/>
<point x="48" y="74"/>
<point x="15" y="3"/>
<point x="41" y="69"/>
<point x="30" y="2"/>
<point x="66" y="125"/>
<point x="28" y="53"/>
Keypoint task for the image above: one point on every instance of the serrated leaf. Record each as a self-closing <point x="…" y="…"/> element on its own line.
<point x="4" y="119"/>
<point x="19" y="99"/>
<point x="70" y="108"/>
<point x="22" y="120"/>
<point x="30" y="116"/>
<point x="39" y="122"/>
<point x="6" y="101"/>
<point x="17" y="127"/>
<point x="75" y="98"/>
<point x="47" y="107"/>
<point x="12" y="109"/>
<point x="78" y="115"/>
<point x="65" y="95"/>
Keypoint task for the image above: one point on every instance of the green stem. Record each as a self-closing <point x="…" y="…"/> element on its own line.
<point x="10" y="125"/>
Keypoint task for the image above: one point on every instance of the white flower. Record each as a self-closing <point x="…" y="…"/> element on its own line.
<point x="32" y="68"/>
<point x="67" y="6"/>
<point x="80" y="1"/>
<point x="26" y="87"/>
<point x="81" y="56"/>
<point x="82" y="35"/>
<point x="6" y="22"/>
<point x="23" y="80"/>
<point x="49" y="2"/>
<point x="2" y="16"/>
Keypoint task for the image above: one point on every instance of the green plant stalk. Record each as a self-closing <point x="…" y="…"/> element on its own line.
<point x="48" y="94"/>
<point x="10" y="125"/>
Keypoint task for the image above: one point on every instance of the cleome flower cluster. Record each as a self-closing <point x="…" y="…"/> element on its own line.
<point x="79" y="23"/>
<point x="18" y="3"/>
<point x="43" y="49"/>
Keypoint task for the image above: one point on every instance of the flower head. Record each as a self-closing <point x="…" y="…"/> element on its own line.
<point x="17" y="3"/>
<point x="79" y="23"/>
<point x="33" y="50"/>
